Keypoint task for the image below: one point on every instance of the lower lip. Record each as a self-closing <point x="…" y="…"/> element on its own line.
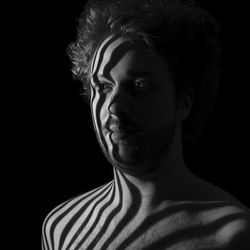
<point x="122" y="135"/>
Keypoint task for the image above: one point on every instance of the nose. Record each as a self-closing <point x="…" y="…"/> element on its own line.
<point x="119" y="103"/>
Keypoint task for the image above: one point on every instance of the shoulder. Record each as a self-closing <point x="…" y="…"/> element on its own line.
<point x="241" y="239"/>
<point x="227" y="222"/>
<point x="235" y="232"/>
<point x="206" y="191"/>
<point x="236" y="235"/>
<point x="65" y="214"/>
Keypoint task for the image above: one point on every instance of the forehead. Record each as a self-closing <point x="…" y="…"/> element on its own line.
<point x="111" y="48"/>
<point x="119" y="53"/>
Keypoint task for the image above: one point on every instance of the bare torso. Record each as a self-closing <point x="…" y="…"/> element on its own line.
<point x="189" y="225"/>
<point x="97" y="224"/>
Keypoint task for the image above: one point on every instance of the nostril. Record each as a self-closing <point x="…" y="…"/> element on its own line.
<point x="119" y="104"/>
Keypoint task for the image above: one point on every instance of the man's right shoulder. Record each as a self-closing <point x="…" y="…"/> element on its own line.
<point x="63" y="218"/>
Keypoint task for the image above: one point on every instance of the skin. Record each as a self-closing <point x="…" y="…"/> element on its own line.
<point x="154" y="201"/>
<point x="152" y="159"/>
<point x="150" y="174"/>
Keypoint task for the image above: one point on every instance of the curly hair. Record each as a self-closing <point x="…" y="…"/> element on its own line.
<point x="181" y="31"/>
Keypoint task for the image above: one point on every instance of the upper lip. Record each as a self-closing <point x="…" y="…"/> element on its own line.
<point x="121" y="128"/>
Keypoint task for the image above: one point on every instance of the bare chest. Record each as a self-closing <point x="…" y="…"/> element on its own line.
<point x="158" y="231"/>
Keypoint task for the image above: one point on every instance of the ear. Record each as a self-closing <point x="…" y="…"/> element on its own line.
<point x="184" y="104"/>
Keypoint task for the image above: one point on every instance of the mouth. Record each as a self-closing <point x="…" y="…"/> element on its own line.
<point x="123" y="132"/>
<point x="122" y="129"/>
<point x="125" y="136"/>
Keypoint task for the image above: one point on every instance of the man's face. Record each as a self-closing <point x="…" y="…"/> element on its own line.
<point x="132" y="105"/>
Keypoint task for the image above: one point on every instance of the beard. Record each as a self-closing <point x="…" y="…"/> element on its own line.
<point x="154" y="147"/>
<point x="138" y="154"/>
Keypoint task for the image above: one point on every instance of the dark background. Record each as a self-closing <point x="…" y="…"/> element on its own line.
<point x="54" y="154"/>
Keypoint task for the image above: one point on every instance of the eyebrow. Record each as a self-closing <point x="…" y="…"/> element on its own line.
<point x="142" y="73"/>
<point x="132" y="73"/>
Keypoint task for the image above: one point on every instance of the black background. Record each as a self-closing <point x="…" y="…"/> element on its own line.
<point x="53" y="152"/>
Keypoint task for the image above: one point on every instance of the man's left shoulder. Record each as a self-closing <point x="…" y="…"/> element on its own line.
<point x="241" y="237"/>
<point x="236" y="233"/>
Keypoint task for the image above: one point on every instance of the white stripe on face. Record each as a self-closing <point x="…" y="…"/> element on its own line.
<point x="108" y="54"/>
<point x="98" y="52"/>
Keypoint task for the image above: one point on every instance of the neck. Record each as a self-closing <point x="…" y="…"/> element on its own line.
<point x="159" y="188"/>
<point x="150" y="193"/>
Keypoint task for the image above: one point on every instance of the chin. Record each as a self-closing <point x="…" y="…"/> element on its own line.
<point x="133" y="163"/>
<point x="141" y="170"/>
<point x="128" y="153"/>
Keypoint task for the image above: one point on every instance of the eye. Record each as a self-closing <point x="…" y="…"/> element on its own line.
<point x="142" y="85"/>
<point x="103" y="86"/>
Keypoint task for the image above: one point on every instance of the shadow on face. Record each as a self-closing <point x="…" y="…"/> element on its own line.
<point x="132" y="103"/>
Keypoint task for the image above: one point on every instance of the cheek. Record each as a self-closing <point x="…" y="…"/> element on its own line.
<point x="98" y="109"/>
<point x="156" y="112"/>
<point x="104" y="112"/>
<point x="95" y="108"/>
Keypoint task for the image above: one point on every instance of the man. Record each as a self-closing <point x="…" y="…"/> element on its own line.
<point x="142" y="71"/>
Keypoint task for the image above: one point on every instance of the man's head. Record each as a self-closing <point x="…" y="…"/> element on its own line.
<point x="133" y="103"/>
<point x="176" y="40"/>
